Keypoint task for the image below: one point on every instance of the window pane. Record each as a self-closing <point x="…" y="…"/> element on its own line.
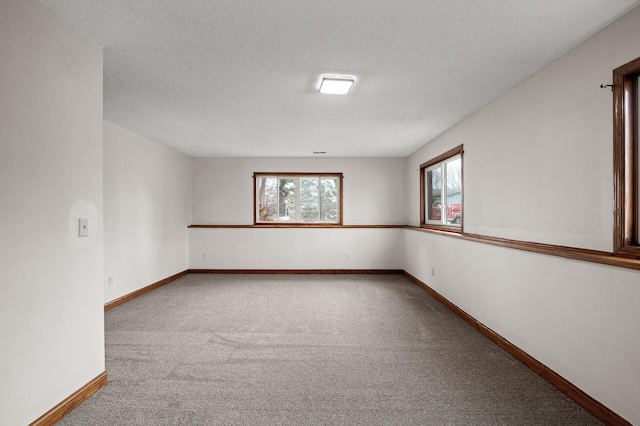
<point x="454" y="191"/>
<point x="442" y="187"/>
<point x="267" y="199"/>
<point x="329" y="199"/>
<point x="298" y="198"/>
<point x="309" y="199"/>
<point x="287" y="199"/>
<point x="433" y="185"/>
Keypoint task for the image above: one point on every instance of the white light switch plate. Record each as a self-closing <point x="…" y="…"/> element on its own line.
<point x="83" y="227"/>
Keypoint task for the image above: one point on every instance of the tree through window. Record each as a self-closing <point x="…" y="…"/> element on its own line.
<point x="298" y="198"/>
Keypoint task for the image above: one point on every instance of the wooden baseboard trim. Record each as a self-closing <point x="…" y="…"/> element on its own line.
<point x="133" y="295"/>
<point x="296" y="271"/>
<point x="56" y="414"/>
<point x="594" y="407"/>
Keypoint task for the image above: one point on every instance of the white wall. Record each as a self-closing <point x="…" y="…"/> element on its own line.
<point x="147" y="196"/>
<point x="538" y="167"/>
<point x="578" y="318"/>
<point x="277" y="248"/>
<point x="538" y="160"/>
<point x="51" y="317"/>
<point x="223" y="187"/>
<point x="373" y="194"/>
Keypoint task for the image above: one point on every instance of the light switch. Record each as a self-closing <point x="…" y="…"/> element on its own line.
<point x="84" y="227"/>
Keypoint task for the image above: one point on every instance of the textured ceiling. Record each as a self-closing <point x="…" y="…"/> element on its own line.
<point x="241" y="77"/>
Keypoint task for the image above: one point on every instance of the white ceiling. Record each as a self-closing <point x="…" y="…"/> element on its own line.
<point x="241" y="77"/>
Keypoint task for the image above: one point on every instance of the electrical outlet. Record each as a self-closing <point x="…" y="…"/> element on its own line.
<point x="347" y="256"/>
<point x="111" y="281"/>
<point x="433" y="272"/>
<point x="204" y="256"/>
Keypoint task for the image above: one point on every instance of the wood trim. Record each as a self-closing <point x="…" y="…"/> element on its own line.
<point x="323" y="174"/>
<point x="311" y="225"/>
<point x="143" y="290"/>
<point x="594" y="256"/>
<point x="459" y="150"/>
<point x="618" y="160"/>
<point x="58" y="412"/>
<point x="631" y="163"/>
<point x="443" y="228"/>
<point x="341" y="199"/>
<point x="625" y="159"/>
<point x="423" y="210"/>
<point x="298" y="271"/>
<point x="586" y="255"/>
<point x="454" y="151"/>
<point x="255" y="198"/>
<point x="594" y="407"/>
<point x="297" y="224"/>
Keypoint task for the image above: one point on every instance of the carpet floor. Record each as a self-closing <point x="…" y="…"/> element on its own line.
<point x="309" y="350"/>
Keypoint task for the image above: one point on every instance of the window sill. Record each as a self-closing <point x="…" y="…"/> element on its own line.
<point x="297" y="226"/>
<point x="442" y="228"/>
<point x="629" y="252"/>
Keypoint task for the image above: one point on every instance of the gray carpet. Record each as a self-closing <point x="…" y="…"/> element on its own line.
<point x="309" y="350"/>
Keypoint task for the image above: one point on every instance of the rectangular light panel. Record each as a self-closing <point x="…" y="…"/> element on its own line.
<point x="336" y="86"/>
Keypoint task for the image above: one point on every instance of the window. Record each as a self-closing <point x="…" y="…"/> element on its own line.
<point x="441" y="191"/>
<point x="626" y="160"/>
<point x="298" y="198"/>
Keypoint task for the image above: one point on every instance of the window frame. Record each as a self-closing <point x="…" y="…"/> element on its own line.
<point x="337" y="175"/>
<point x="625" y="159"/>
<point x="457" y="151"/>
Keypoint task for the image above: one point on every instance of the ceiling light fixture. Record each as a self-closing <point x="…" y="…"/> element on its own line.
<point x="336" y="85"/>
